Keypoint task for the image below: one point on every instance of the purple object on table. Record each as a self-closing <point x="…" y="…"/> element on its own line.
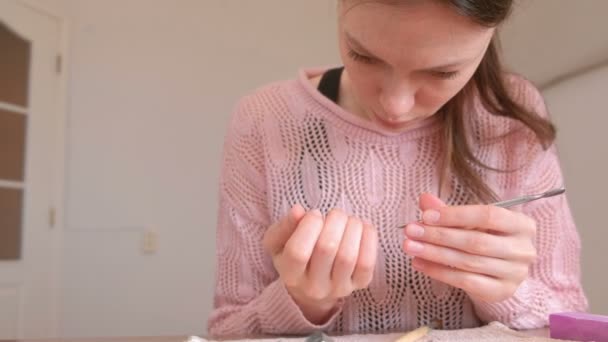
<point x="578" y="326"/>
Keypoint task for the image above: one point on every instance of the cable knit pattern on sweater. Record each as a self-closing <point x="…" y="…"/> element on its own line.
<point x="288" y="144"/>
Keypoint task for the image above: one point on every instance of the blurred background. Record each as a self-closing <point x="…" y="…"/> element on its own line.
<point x="112" y="117"/>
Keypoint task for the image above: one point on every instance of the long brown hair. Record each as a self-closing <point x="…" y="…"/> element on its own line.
<point x="488" y="82"/>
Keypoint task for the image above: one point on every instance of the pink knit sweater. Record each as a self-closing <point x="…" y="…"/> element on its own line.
<point x="288" y="144"/>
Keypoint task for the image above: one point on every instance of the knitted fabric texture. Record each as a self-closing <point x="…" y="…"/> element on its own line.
<point x="288" y="144"/>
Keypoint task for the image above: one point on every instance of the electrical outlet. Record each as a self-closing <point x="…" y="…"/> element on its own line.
<point x="150" y="242"/>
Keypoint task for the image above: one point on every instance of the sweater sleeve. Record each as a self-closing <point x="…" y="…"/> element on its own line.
<point x="249" y="297"/>
<point x="554" y="281"/>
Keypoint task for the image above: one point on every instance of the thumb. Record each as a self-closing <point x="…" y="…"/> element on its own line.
<point x="429" y="201"/>
<point x="277" y="234"/>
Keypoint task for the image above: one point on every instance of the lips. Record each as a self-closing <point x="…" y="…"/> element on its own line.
<point x="393" y="119"/>
<point x="389" y="121"/>
<point x="397" y="123"/>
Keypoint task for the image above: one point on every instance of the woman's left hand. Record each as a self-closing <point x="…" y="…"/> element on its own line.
<point x="483" y="249"/>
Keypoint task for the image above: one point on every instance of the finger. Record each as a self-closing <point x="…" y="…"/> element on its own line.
<point x="366" y="262"/>
<point x="429" y="201"/>
<point x="479" y="286"/>
<point x="481" y="216"/>
<point x="493" y="267"/>
<point x="327" y="246"/>
<point x="346" y="259"/>
<point x="474" y="242"/>
<point x="277" y="234"/>
<point x="295" y="257"/>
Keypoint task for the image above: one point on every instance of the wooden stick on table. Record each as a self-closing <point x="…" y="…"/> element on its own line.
<point x="414" y="335"/>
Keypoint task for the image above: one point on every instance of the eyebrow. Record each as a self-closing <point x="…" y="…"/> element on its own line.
<point x="361" y="49"/>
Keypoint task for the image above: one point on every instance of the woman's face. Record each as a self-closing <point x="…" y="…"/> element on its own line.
<point x="403" y="62"/>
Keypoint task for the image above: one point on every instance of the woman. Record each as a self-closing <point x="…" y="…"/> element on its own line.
<point x="421" y="126"/>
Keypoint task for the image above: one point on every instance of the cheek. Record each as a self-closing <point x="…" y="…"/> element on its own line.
<point x="364" y="80"/>
<point x="434" y="97"/>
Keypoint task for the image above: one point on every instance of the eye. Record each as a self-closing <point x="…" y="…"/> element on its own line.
<point x="445" y="75"/>
<point x="357" y="57"/>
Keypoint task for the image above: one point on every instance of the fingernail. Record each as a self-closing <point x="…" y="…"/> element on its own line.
<point x="417" y="264"/>
<point x="430" y="216"/>
<point x="296" y="209"/>
<point x="316" y="212"/>
<point x="414" y="230"/>
<point x="414" y="247"/>
<point x="369" y="225"/>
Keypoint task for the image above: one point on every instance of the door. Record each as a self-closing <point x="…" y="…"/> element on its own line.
<point x="29" y="126"/>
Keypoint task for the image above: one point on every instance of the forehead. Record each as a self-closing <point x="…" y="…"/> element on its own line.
<point x="418" y="29"/>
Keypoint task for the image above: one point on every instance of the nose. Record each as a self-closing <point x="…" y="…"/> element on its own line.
<point x="398" y="98"/>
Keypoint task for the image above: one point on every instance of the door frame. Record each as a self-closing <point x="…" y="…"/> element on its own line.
<point x="59" y="154"/>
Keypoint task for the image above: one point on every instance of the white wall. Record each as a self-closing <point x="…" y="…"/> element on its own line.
<point x="548" y="38"/>
<point x="152" y="85"/>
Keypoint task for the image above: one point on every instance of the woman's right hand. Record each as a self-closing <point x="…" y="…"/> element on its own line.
<point x="321" y="260"/>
